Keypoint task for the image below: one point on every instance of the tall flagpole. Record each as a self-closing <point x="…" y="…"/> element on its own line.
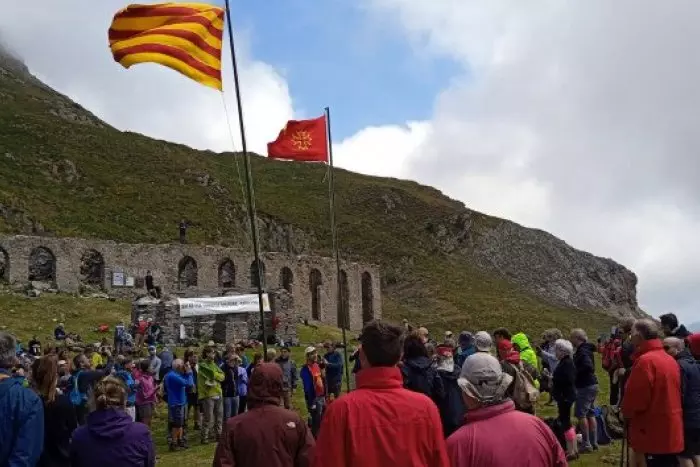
<point x="249" y="180"/>
<point x="334" y="236"/>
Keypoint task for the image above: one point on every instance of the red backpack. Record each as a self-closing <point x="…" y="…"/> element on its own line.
<point x="612" y="355"/>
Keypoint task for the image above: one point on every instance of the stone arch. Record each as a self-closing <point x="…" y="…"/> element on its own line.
<point x="219" y="331"/>
<point x="367" y="298"/>
<point x="227" y="274"/>
<point x="315" y="284"/>
<point x="187" y="272"/>
<point x="92" y="268"/>
<point x="256" y="276"/>
<point x="286" y="279"/>
<point x="4" y="265"/>
<point x="343" y="301"/>
<point x="42" y="265"/>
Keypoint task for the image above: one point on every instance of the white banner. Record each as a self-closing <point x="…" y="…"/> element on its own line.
<point x="221" y="305"/>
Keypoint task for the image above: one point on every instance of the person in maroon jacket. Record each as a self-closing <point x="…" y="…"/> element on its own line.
<point x="266" y="435"/>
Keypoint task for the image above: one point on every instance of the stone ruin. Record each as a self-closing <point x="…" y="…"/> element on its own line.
<point x="304" y="286"/>
<point x="222" y="328"/>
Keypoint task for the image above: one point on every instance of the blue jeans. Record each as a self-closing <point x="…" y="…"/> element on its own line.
<point x="316" y="414"/>
<point x="230" y="407"/>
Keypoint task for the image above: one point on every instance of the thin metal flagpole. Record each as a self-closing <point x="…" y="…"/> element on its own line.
<point x="334" y="236"/>
<point x="249" y="181"/>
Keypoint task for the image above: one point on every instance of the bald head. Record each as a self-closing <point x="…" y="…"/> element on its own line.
<point x="674" y="346"/>
<point x="178" y="365"/>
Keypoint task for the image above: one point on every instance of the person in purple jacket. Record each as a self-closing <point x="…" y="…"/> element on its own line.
<point x="111" y="438"/>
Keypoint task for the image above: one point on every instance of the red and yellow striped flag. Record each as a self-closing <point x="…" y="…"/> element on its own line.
<point x="183" y="36"/>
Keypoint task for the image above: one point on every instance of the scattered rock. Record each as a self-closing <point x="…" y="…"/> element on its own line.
<point x="101" y="295"/>
<point x="33" y="293"/>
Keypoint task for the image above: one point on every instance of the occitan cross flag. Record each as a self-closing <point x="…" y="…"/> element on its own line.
<point x="183" y="36"/>
<point x="301" y="141"/>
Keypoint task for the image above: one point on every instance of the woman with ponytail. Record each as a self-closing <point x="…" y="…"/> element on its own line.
<point x="59" y="414"/>
<point x="111" y="438"/>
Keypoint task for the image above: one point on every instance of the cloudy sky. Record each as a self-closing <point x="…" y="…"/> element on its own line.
<point x="574" y="117"/>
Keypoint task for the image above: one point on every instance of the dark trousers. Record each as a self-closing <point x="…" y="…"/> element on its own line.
<point x="614" y="390"/>
<point x="662" y="460"/>
<point x="564" y="415"/>
<point x="242" y="404"/>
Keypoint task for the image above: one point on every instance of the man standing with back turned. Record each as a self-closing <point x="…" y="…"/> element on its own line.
<point x="381" y="423"/>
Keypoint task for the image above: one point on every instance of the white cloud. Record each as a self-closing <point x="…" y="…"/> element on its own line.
<point x="65" y="44"/>
<point x="576" y="117"/>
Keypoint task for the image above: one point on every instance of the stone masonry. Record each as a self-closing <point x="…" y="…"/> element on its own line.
<point x="176" y="268"/>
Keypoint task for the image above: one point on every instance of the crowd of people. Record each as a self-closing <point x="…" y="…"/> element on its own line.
<point x="416" y="402"/>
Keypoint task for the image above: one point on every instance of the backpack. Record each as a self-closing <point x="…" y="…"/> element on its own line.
<point x="612" y="356"/>
<point x="77" y="398"/>
<point x="525" y="394"/>
<point x="603" y="435"/>
<point x="614" y="425"/>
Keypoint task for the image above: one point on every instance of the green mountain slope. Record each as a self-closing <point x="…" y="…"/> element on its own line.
<point x="64" y="172"/>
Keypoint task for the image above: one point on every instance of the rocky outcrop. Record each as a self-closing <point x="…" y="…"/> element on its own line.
<point x="540" y="263"/>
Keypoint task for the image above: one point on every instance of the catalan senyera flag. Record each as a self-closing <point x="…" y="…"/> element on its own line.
<point x="301" y="140"/>
<point x="183" y="36"/>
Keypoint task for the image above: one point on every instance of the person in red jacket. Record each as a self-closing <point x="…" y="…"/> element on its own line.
<point x="381" y="423"/>
<point x="652" y="400"/>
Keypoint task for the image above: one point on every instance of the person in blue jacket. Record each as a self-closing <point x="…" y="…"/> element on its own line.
<point x="22" y="421"/>
<point x="176" y="381"/>
<point x="334" y="369"/>
<point x="124" y="370"/>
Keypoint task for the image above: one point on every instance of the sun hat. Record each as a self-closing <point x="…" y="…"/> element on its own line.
<point x="483" y="341"/>
<point x="483" y="379"/>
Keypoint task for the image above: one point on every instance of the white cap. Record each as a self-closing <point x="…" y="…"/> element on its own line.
<point x="310" y="349"/>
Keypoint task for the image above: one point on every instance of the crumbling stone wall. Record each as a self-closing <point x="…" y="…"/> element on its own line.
<point x="164" y="261"/>
<point x="222" y="328"/>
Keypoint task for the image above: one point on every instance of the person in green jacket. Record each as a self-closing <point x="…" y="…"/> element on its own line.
<point x="209" y="378"/>
<point x="527" y="355"/>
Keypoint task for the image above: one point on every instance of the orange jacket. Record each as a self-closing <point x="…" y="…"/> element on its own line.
<point x="652" y="401"/>
<point x="381" y="424"/>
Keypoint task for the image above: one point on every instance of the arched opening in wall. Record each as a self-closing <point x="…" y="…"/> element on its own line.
<point x="286" y="279"/>
<point x="227" y="274"/>
<point x="42" y="265"/>
<point x="4" y="266"/>
<point x="344" y="302"/>
<point x="367" y="298"/>
<point x="92" y="268"/>
<point x="187" y="273"/>
<point x="315" y="284"/>
<point x="257" y="275"/>
<point x="219" y="331"/>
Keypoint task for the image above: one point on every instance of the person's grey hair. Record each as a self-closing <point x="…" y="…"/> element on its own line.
<point x="564" y="346"/>
<point x="647" y="328"/>
<point x="675" y="343"/>
<point x="8" y="350"/>
<point x="579" y="334"/>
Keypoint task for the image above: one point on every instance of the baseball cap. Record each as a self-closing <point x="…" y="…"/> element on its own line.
<point x="151" y="347"/>
<point x="483" y="341"/>
<point x="310" y="349"/>
<point x="483" y="378"/>
<point x="448" y="334"/>
<point x="444" y="350"/>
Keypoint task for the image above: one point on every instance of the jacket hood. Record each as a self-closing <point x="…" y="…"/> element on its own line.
<point x="265" y="385"/>
<point x="686" y="356"/>
<point x="108" y="423"/>
<point x="521" y="340"/>
<point x="7" y="385"/>
<point x="586" y="348"/>
<point x="420" y="363"/>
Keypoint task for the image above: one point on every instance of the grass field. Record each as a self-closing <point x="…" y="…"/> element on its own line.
<point x="27" y="317"/>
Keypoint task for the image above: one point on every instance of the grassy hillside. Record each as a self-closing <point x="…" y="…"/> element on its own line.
<point x="63" y="172"/>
